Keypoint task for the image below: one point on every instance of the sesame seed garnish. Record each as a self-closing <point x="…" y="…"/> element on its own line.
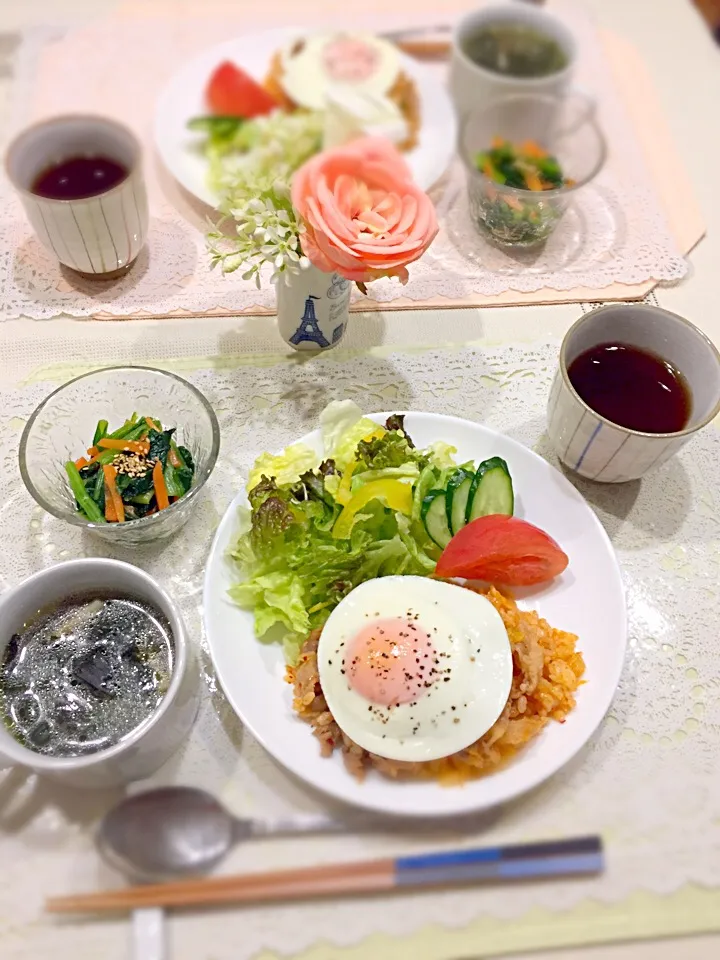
<point x="132" y="464"/>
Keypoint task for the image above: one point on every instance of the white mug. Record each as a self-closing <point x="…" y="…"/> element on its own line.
<point x="312" y="309"/>
<point x="598" y="449"/>
<point x="147" y="747"/>
<point x="473" y="86"/>
<point x="99" y="236"/>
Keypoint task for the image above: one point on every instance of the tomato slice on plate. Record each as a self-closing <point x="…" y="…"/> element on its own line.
<point x="231" y="92"/>
<point x="502" y="550"/>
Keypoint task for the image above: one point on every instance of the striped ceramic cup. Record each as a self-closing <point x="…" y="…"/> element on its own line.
<point x="600" y="450"/>
<point x="98" y="236"/>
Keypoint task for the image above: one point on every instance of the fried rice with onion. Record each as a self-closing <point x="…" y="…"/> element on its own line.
<point x="547" y="670"/>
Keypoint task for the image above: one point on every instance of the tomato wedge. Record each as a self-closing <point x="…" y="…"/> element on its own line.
<point x="502" y="550"/>
<point x="233" y="93"/>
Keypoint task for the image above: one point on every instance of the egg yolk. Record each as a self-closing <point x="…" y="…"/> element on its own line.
<point x="348" y="59"/>
<point x="391" y="661"/>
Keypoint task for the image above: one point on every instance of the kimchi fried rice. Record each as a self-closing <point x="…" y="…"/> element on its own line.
<point x="547" y="670"/>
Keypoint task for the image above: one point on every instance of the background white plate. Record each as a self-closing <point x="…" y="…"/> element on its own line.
<point x="588" y="599"/>
<point x="184" y="97"/>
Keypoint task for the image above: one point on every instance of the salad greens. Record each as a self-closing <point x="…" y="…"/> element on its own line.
<point x="243" y="152"/>
<point x="524" y="217"/>
<point x="297" y="567"/>
<point x="527" y="166"/>
<point x="319" y="526"/>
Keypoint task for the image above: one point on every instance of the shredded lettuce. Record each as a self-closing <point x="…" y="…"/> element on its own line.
<point x="442" y="455"/>
<point x="342" y="427"/>
<point x="273" y="146"/>
<point x="286" y="466"/>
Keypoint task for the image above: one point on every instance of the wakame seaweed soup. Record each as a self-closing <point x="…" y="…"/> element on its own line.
<point x="515" y="50"/>
<point x="85" y="673"/>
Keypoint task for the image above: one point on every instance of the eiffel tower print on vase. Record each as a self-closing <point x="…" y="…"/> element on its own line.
<point x="313" y="309"/>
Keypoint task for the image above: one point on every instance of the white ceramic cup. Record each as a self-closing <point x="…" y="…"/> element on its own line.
<point x="473" y="86"/>
<point x="99" y="236"/>
<point x="147" y="747"/>
<point x="601" y="450"/>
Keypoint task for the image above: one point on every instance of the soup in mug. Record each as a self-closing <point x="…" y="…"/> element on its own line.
<point x="85" y="673"/>
<point x="514" y="50"/>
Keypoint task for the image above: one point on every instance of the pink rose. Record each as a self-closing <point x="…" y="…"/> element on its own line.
<point x="364" y="217"/>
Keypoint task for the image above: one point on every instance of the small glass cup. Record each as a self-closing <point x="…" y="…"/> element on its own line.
<point x="566" y="127"/>
<point x="62" y="428"/>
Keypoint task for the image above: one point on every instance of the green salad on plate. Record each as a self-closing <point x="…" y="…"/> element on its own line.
<point x="373" y="505"/>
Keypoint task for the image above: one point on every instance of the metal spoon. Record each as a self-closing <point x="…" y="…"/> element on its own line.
<point x="177" y="831"/>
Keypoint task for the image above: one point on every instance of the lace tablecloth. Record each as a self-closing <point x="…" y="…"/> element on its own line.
<point x="615" y="232"/>
<point x="648" y="780"/>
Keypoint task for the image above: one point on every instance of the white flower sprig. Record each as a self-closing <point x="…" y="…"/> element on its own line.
<point x="267" y="232"/>
<point x="257" y="199"/>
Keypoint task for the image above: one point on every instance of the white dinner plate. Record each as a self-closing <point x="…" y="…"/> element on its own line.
<point x="184" y="98"/>
<point x="588" y="599"/>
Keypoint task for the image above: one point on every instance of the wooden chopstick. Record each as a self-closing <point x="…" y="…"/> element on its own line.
<point x="425" y="49"/>
<point x="579" y="856"/>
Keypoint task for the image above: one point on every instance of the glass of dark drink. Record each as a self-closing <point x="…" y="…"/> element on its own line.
<point x="80" y="180"/>
<point x="634" y="384"/>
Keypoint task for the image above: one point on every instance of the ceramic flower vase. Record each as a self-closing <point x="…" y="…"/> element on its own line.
<point x="312" y="309"/>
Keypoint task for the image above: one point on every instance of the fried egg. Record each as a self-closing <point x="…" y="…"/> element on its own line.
<point x="414" y="669"/>
<point x="354" y="113"/>
<point x="360" y="61"/>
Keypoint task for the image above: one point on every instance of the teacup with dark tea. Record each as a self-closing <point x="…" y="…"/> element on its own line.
<point x="80" y="181"/>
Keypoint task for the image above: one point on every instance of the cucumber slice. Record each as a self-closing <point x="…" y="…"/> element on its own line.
<point x="456" y="498"/>
<point x="434" y="518"/>
<point x="491" y="490"/>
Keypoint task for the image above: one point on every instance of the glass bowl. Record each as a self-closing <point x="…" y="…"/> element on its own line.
<point x="62" y="428"/>
<point x="566" y="127"/>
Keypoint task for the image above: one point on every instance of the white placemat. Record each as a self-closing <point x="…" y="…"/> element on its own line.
<point x="614" y="232"/>
<point x="647" y="780"/>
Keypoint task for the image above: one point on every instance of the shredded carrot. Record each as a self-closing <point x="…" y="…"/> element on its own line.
<point x="533" y="181"/>
<point x="149" y="422"/>
<point x="489" y="170"/>
<point x="513" y="202"/>
<point x="93" y="451"/>
<point x="134" y="446"/>
<point x="112" y="493"/>
<point x="161" y="494"/>
<point x="109" y="512"/>
<point x="532" y="149"/>
<point x="107" y="443"/>
<point x="497" y="142"/>
<point x="82" y="462"/>
<point x="174" y="458"/>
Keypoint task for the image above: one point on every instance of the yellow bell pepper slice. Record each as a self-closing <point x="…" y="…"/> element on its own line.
<point x="343" y="494"/>
<point x="396" y="494"/>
